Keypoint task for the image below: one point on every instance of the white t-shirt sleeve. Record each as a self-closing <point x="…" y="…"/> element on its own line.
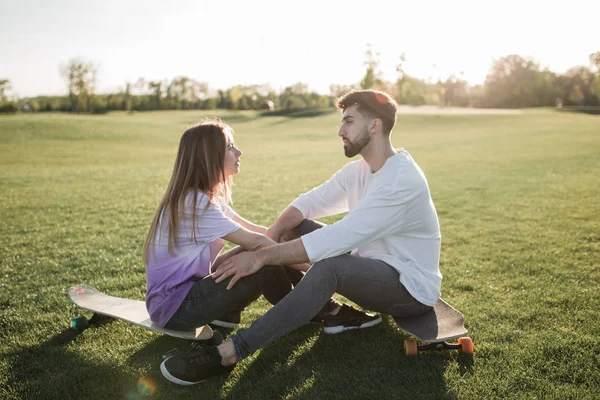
<point x="230" y="212"/>
<point x="328" y="199"/>
<point x="377" y="216"/>
<point x="211" y="221"/>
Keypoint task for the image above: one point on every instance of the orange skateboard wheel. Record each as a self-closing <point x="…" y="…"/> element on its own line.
<point x="410" y="347"/>
<point x="466" y="345"/>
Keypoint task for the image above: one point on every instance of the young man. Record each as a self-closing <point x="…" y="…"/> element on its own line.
<point x="391" y="230"/>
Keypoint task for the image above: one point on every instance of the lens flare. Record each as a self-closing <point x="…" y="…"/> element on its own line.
<point x="382" y="99"/>
<point x="146" y="386"/>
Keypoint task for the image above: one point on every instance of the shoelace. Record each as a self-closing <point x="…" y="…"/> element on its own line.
<point x="199" y="356"/>
<point x="197" y="346"/>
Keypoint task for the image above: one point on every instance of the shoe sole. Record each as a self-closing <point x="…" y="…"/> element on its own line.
<point x="224" y="324"/>
<point x="331" y="330"/>
<point x="171" y="378"/>
<point x="178" y="381"/>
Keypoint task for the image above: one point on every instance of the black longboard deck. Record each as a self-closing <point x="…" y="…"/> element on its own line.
<point x="442" y="323"/>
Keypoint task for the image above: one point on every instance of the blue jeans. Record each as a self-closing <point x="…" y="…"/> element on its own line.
<point x="372" y="284"/>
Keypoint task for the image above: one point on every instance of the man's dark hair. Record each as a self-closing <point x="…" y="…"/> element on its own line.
<point x="373" y="104"/>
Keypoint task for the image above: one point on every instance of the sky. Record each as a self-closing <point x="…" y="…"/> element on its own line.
<point x="281" y="42"/>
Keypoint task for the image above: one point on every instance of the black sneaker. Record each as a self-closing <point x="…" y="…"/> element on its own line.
<point x="216" y="339"/>
<point x="230" y="320"/>
<point x="194" y="366"/>
<point x="331" y="305"/>
<point x="349" y="318"/>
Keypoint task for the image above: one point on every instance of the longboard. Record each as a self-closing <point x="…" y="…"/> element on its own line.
<point x="434" y="328"/>
<point x="128" y="310"/>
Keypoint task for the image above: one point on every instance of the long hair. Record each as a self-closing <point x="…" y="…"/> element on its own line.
<point x="199" y="167"/>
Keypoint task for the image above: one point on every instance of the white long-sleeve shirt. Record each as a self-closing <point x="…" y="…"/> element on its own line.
<point x="391" y="218"/>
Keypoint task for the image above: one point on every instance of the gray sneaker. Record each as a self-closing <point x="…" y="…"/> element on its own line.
<point x="349" y="318"/>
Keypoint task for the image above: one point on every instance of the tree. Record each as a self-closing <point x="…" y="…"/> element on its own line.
<point x="340" y="90"/>
<point x="515" y="82"/>
<point x="373" y="76"/>
<point x="456" y="92"/>
<point x="294" y="96"/>
<point x="411" y="91"/>
<point x="80" y="76"/>
<point x="127" y="97"/>
<point x="158" y="91"/>
<point x="578" y="86"/>
<point x="185" y="93"/>
<point x="595" y="63"/>
<point x="408" y="90"/>
<point x="5" y="87"/>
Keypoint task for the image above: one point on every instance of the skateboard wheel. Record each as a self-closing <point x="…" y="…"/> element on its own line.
<point x="466" y="345"/>
<point x="410" y="347"/>
<point x="79" y="323"/>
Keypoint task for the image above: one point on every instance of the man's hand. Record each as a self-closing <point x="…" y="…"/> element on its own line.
<point x="222" y="257"/>
<point x="289" y="218"/>
<point x="238" y="266"/>
<point x="273" y="234"/>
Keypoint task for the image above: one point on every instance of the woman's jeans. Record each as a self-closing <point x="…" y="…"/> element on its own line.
<point x="208" y="300"/>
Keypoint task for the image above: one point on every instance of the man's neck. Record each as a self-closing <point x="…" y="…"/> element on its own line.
<point x="377" y="154"/>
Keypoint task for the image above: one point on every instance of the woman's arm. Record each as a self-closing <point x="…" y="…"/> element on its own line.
<point x="249" y="225"/>
<point x="248" y="239"/>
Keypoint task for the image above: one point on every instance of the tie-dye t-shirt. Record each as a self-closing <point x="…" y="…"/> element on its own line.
<point x="169" y="277"/>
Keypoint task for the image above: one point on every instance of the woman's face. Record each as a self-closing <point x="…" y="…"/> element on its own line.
<point x="232" y="157"/>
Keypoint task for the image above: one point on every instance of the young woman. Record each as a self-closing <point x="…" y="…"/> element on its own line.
<point x="188" y="232"/>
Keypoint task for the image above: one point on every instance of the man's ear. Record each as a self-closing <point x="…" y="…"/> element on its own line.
<point x="375" y="125"/>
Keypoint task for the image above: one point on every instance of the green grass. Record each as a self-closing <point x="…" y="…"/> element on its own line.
<point x="517" y="197"/>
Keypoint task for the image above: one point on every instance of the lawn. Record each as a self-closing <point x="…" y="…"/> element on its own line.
<point x="518" y="201"/>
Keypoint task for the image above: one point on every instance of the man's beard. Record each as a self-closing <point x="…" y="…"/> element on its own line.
<point x="353" y="148"/>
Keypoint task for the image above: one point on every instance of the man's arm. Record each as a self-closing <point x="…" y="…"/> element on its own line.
<point x="290" y="218"/>
<point x="292" y="252"/>
<point x="248" y="263"/>
<point x="327" y="199"/>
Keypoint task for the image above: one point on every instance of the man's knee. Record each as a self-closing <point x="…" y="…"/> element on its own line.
<point x="306" y="226"/>
<point x="326" y="266"/>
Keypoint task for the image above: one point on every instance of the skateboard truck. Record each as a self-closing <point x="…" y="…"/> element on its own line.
<point x="464" y="345"/>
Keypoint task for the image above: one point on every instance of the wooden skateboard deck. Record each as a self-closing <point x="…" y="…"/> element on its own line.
<point x="442" y="323"/>
<point x="128" y="310"/>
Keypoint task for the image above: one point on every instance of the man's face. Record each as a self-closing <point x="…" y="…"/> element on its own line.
<point x="354" y="131"/>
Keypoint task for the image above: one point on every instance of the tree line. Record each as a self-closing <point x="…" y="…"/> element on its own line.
<point x="513" y="81"/>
